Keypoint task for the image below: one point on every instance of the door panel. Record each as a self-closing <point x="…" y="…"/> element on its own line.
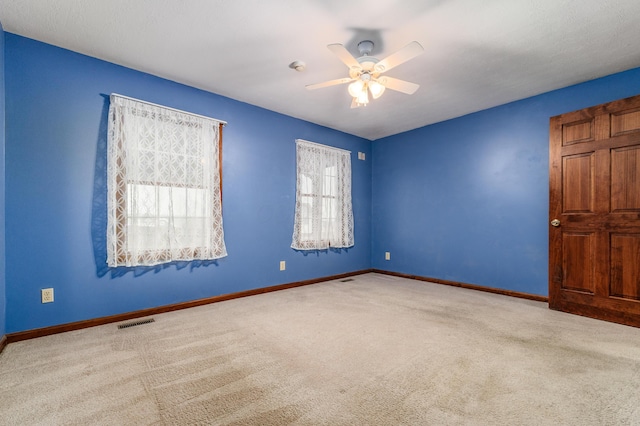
<point x="576" y="132"/>
<point x="578" y="183"/>
<point x="625" y="121"/>
<point x="594" y="177"/>
<point x="625" y="266"/>
<point x="577" y="264"/>
<point x="625" y="179"/>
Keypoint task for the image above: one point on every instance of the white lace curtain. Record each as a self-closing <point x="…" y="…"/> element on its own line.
<point x="323" y="214"/>
<point x="164" y="200"/>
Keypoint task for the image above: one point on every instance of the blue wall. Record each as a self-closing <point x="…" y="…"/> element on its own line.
<point x="56" y="196"/>
<point x="463" y="200"/>
<point x="467" y="199"/>
<point x="3" y="301"/>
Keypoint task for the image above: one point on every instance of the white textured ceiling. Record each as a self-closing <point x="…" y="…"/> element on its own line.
<point x="478" y="53"/>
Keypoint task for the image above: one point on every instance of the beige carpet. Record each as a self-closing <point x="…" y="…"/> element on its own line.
<point x="377" y="350"/>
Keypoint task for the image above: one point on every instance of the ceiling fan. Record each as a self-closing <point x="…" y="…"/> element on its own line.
<point x="365" y="72"/>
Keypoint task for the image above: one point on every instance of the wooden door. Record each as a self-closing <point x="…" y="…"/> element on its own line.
<point x="594" y="250"/>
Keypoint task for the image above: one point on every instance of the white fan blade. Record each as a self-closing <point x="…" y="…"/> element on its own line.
<point x="398" y="85"/>
<point x="343" y="54"/>
<point x="328" y="83"/>
<point x="410" y="51"/>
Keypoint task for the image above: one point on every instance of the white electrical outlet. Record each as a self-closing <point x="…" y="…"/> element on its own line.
<point x="387" y="255"/>
<point x="47" y="295"/>
<point x="283" y="265"/>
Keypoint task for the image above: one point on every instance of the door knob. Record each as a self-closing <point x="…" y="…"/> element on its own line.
<point x="555" y="222"/>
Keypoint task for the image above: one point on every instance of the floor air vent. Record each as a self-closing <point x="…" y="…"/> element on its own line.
<point x="134" y="323"/>
<point x="347" y="280"/>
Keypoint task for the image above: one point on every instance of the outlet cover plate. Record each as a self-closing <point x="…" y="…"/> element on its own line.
<point x="46" y="295"/>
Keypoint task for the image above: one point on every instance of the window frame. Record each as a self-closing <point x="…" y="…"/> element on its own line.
<point x="327" y="189"/>
<point x="123" y="255"/>
<point x="164" y="187"/>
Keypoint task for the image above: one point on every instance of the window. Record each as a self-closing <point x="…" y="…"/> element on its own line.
<point x="164" y="197"/>
<point x="323" y="215"/>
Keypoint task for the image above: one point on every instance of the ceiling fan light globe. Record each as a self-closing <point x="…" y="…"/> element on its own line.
<point x="355" y="88"/>
<point x="377" y="89"/>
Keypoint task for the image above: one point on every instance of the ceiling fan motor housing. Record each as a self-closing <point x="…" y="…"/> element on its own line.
<point x="365" y="47"/>
<point x="366" y="62"/>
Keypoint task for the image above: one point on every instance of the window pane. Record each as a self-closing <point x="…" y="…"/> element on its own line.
<point x="151" y="210"/>
<point x="306" y="184"/>
<point x="141" y="201"/>
<point x="306" y="225"/>
<point x="329" y="208"/>
<point x="330" y="181"/>
<point x="196" y="206"/>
